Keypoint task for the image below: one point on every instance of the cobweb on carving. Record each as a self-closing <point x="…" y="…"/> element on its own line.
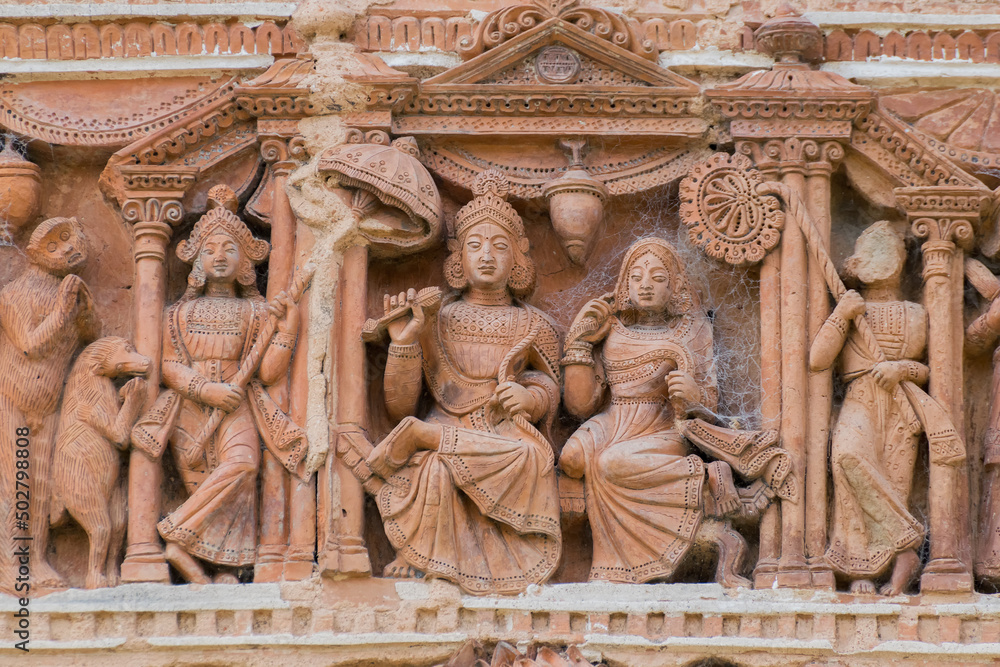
<point x="730" y="295"/>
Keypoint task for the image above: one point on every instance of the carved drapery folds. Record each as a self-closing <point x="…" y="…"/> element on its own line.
<point x="560" y="114"/>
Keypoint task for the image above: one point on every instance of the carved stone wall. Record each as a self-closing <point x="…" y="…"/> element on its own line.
<point x="549" y="332"/>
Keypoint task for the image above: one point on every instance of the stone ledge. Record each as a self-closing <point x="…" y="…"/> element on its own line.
<point x="422" y="622"/>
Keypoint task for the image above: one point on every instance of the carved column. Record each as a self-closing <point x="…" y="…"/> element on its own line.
<point x="153" y="207"/>
<point x="946" y="218"/>
<point x="345" y="553"/>
<point x="793" y="123"/>
<point x="818" y="171"/>
<point x="288" y="506"/>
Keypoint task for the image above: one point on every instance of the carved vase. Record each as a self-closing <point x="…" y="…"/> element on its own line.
<point x="576" y="206"/>
<point x="20" y="190"/>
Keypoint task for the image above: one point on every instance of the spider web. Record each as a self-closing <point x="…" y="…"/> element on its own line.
<point x="730" y="295"/>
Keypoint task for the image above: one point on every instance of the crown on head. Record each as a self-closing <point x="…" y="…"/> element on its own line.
<point x="489" y="204"/>
<point x="221" y="220"/>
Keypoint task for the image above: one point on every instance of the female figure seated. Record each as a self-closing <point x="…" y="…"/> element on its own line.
<point x="644" y="485"/>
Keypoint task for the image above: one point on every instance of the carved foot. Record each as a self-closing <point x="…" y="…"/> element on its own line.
<point x="44" y="575"/>
<point x="862" y="587"/>
<point x="732" y="552"/>
<point x="225" y="578"/>
<point x="400" y="569"/>
<point x="405" y="440"/>
<point x="903" y="572"/>
<point x="723" y="489"/>
<point x="186" y="564"/>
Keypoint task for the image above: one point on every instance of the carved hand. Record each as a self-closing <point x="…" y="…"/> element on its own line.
<point x="404" y="331"/>
<point x="681" y="385"/>
<point x="851" y="305"/>
<point x="287" y="312"/>
<point x="888" y="374"/>
<point x="69" y="291"/>
<point x="599" y="310"/>
<point x="514" y="398"/>
<point x="222" y="395"/>
<point x="133" y="390"/>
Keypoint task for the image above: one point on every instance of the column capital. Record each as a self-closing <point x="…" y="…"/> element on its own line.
<point x="153" y="193"/>
<point x="282" y="152"/>
<point x="805" y="155"/>
<point x="947" y="214"/>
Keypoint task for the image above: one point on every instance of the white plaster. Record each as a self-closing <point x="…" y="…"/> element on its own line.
<point x="714" y="59"/>
<point x="772" y="645"/>
<point x="317" y="639"/>
<point x="675" y="598"/>
<point x="155" y="597"/>
<point x="419" y="59"/>
<point x="950" y="649"/>
<point x="68" y="645"/>
<point x="137" y="67"/>
<point x="899" y="71"/>
<point x="903" y="20"/>
<point x="108" y="10"/>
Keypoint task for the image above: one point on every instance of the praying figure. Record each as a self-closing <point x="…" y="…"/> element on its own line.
<point x="467" y="491"/>
<point x="46" y="315"/>
<point x="209" y="336"/>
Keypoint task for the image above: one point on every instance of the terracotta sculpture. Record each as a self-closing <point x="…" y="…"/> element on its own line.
<point x="981" y="335"/>
<point x="877" y="433"/>
<point x="45" y="315"/>
<point x="94" y="426"/>
<point x="469" y="490"/>
<point x="213" y="338"/>
<point x="649" y="345"/>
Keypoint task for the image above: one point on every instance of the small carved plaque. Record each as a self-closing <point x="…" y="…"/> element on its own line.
<point x="725" y="215"/>
<point x="557" y="64"/>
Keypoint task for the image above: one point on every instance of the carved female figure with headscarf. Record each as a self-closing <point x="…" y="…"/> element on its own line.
<point x="208" y="334"/>
<point x="648" y="348"/>
<point x="467" y="492"/>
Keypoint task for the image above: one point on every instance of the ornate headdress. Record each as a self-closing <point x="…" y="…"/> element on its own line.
<point x="682" y="298"/>
<point x="221" y="218"/>
<point x="490" y="203"/>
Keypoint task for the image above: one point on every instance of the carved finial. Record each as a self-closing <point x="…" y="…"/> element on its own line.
<point x="223" y="196"/>
<point x="491" y="181"/>
<point x="790" y="38"/>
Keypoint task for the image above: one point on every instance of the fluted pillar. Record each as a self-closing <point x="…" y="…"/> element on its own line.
<point x="288" y="505"/>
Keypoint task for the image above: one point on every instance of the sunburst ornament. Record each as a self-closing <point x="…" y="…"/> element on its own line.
<point x="725" y="215"/>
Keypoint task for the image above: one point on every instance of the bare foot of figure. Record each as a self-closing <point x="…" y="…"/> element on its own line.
<point x="723" y="489"/>
<point x="225" y="578"/>
<point x="863" y="587"/>
<point x="400" y="569"/>
<point x="185" y="563"/>
<point x="44" y="576"/>
<point x="903" y="572"/>
<point x="732" y="553"/>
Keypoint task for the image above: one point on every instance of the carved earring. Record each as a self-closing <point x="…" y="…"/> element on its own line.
<point x="454" y="275"/>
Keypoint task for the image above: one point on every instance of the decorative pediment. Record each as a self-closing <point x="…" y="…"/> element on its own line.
<point x="220" y="135"/>
<point x="543" y="81"/>
<point x="962" y="124"/>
